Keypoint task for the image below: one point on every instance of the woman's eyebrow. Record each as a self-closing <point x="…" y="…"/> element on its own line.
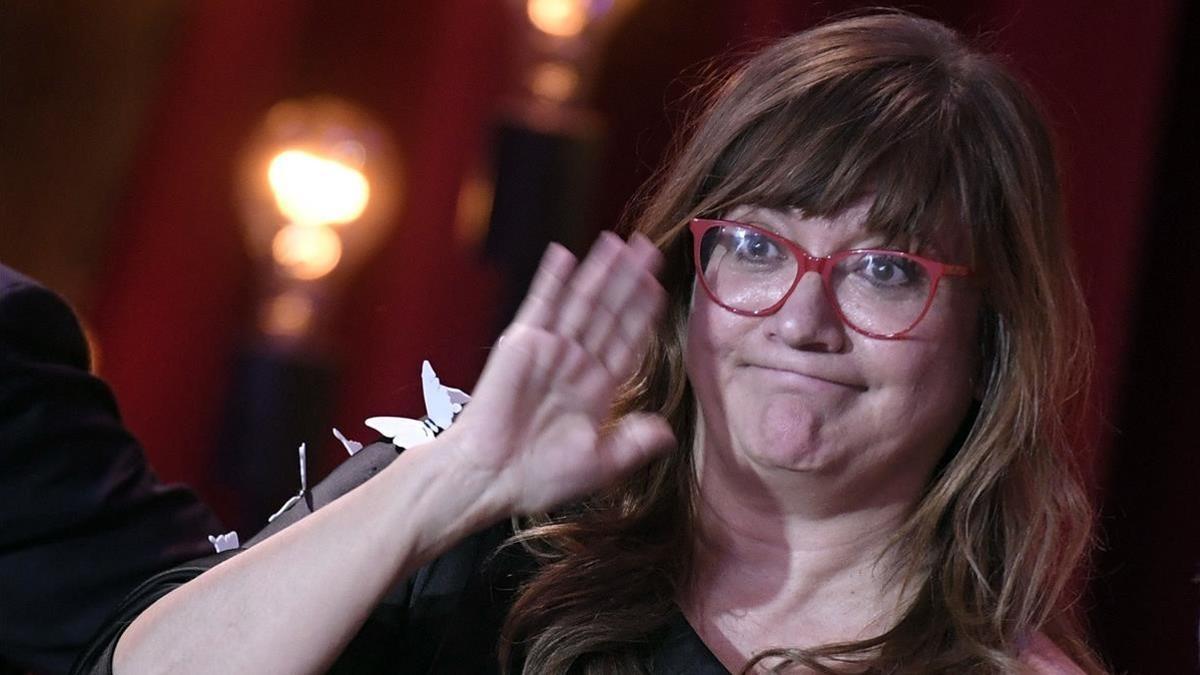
<point x="766" y="218"/>
<point x="784" y="223"/>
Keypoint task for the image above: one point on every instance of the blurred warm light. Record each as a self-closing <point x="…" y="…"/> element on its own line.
<point x="554" y="81"/>
<point x="474" y="208"/>
<point x="312" y="190"/>
<point x="306" y="251"/>
<point x="558" y="59"/>
<point x="561" y="18"/>
<point x="319" y="183"/>
<point x="288" y="314"/>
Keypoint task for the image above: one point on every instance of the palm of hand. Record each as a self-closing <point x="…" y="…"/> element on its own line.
<point x="534" y="423"/>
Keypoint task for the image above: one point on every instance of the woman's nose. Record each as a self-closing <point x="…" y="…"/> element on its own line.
<point x="807" y="320"/>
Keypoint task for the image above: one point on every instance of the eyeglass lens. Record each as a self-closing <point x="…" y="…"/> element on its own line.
<point x="877" y="291"/>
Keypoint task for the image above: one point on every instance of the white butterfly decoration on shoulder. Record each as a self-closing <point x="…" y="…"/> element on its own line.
<point x="303" y="454"/>
<point x="351" y="447"/>
<point x="224" y="542"/>
<point x="442" y="404"/>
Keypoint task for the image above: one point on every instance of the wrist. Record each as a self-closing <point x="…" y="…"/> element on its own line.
<point x="442" y="496"/>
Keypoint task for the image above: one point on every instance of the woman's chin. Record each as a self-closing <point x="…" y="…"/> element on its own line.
<point x="789" y="458"/>
<point x="787" y="438"/>
<point x="786" y="451"/>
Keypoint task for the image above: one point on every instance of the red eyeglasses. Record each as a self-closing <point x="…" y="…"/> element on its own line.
<point x="752" y="271"/>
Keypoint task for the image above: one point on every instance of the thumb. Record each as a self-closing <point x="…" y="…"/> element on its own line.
<point x="637" y="438"/>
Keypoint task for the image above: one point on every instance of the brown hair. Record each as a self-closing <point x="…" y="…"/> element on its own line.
<point x="945" y="137"/>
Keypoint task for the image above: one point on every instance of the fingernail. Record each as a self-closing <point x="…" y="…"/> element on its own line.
<point x="555" y="253"/>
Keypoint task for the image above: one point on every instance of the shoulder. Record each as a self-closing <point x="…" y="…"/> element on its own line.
<point x="10" y="278"/>
<point x="37" y="325"/>
<point x="1040" y="656"/>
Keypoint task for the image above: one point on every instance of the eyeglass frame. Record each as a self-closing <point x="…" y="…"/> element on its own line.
<point x="823" y="265"/>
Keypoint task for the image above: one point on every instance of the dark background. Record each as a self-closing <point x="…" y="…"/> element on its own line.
<point x="121" y="122"/>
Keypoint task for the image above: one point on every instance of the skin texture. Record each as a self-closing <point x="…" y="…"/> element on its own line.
<point x="814" y="443"/>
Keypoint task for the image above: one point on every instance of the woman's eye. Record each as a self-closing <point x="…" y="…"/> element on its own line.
<point x="756" y="247"/>
<point x="888" y="270"/>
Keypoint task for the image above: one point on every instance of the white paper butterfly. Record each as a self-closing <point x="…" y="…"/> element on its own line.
<point x="441" y="405"/>
<point x="351" y="447"/>
<point x="224" y="542"/>
<point x="303" y="484"/>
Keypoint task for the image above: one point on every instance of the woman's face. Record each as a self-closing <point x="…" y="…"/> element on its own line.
<point x="799" y="391"/>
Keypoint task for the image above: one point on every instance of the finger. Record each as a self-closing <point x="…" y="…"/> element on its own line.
<point x="637" y="260"/>
<point x="641" y="307"/>
<point x="645" y="295"/>
<point x="638" y="438"/>
<point x="542" y="301"/>
<point x="579" y="299"/>
<point x="589" y="380"/>
<point x="627" y="344"/>
<point x="511" y="368"/>
<point x="647" y="252"/>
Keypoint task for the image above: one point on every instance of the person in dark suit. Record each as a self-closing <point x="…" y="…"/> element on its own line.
<point x="83" y="518"/>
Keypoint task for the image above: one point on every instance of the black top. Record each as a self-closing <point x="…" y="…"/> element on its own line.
<point x="83" y="519"/>
<point x="445" y="619"/>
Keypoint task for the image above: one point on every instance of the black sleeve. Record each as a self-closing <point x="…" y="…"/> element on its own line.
<point x="83" y="519"/>
<point x="373" y="645"/>
<point x="445" y="618"/>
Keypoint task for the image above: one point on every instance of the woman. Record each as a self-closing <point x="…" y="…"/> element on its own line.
<point x="865" y="469"/>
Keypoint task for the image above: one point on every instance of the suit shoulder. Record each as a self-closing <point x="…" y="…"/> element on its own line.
<point x="38" y="325"/>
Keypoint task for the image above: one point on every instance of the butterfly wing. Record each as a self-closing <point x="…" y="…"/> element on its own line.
<point x="303" y="452"/>
<point x="404" y="432"/>
<point x="224" y="542"/>
<point x="350" y="446"/>
<point x="457" y="396"/>
<point x="438" y="405"/>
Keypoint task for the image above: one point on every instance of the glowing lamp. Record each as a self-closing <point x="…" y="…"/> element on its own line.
<point x="561" y="18"/>
<point x="555" y="82"/>
<point x="306" y="251"/>
<point x="312" y="190"/>
<point x="319" y="185"/>
<point x="568" y="20"/>
<point x="557" y="58"/>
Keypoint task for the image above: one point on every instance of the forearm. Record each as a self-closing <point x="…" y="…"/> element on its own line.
<point x="291" y="603"/>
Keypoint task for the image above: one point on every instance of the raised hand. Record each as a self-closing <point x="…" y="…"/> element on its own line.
<point x="534" y="424"/>
<point x="530" y="439"/>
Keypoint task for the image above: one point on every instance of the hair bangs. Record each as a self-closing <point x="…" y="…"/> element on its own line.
<point x="832" y="145"/>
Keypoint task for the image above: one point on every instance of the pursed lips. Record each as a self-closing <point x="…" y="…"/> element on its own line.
<point x="802" y="376"/>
